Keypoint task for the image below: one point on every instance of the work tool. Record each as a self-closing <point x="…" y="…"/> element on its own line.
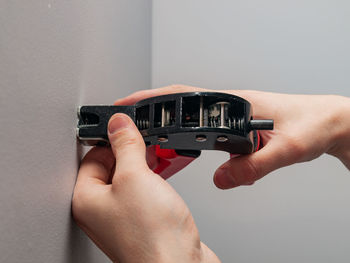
<point x="180" y="125"/>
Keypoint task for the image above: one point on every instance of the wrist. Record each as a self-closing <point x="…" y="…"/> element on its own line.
<point x="340" y="127"/>
<point x="179" y="248"/>
<point x="201" y="254"/>
<point x="184" y="251"/>
<point x="167" y="246"/>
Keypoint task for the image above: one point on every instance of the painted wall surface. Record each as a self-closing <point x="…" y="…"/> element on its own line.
<point x="54" y="56"/>
<point x="296" y="214"/>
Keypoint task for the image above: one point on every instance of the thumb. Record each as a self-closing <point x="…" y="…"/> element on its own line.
<point x="127" y="144"/>
<point x="246" y="169"/>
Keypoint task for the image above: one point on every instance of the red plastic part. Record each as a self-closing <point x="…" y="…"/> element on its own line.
<point x="169" y="162"/>
<point x="258" y="146"/>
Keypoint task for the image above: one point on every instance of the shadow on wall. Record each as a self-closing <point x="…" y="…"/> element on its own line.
<point x="78" y="245"/>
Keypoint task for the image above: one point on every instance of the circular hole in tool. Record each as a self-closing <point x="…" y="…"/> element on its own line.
<point x="162" y="138"/>
<point x="201" y="138"/>
<point x="222" y="138"/>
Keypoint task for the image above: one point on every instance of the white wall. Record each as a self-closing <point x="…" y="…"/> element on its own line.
<point x="299" y="213"/>
<point x="54" y="56"/>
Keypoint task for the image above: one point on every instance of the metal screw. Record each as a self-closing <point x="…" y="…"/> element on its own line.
<point x="222" y="138"/>
<point x="162" y="139"/>
<point x="201" y="138"/>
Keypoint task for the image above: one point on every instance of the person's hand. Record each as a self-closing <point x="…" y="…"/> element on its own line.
<point x="306" y="126"/>
<point x="131" y="213"/>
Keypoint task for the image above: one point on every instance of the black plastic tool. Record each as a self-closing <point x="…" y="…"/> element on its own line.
<point x="182" y="121"/>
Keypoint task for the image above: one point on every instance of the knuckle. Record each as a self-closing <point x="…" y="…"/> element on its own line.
<point x="125" y="138"/>
<point x="85" y="203"/>
<point x="128" y="178"/>
<point x="296" y="148"/>
<point x="127" y="141"/>
<point x="79" y="206"/>
<point x="122" y="181"/>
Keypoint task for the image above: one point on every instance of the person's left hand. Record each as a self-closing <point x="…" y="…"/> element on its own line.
<point x="131" y="213"/>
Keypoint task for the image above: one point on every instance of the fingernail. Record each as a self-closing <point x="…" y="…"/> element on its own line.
<point x="117" y="122"/>
<point x="223" y="179"/>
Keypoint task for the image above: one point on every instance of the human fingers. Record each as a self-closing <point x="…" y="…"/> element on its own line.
<point x="266" y="105"/>
<point x="93" y="180"/>
<point x="143" y="94"/>
<point x="246" y="169"/>
<point x="127" y="145"/>
<point x="96" y="167"/>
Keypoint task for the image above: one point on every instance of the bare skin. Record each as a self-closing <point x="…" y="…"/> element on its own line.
<point x="134" y="215"/>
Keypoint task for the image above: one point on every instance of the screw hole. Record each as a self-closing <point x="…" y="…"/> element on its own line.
<point x="201" y="138"/>
<point x="162" y="138"/>
<point x="222" y="138"/>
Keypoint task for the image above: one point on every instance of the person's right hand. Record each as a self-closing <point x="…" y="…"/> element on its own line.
<point x="306" y="126"/>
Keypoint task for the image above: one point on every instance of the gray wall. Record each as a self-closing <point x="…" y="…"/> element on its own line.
<point x="54" y="56"/>
<point x="299" y="213"/>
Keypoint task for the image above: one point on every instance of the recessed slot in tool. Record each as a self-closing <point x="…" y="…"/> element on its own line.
<point x="225" y="115"/>
<point x="190" y="111"/>
<point x="164" y="114"/>
<point x="142" y="117"/>
<point x="89" y="118"/>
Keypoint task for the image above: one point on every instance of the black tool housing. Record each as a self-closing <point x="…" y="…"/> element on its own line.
<point x="181" y="121"/>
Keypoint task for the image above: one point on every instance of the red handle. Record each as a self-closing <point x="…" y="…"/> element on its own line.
<point x="169" y="162"/>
